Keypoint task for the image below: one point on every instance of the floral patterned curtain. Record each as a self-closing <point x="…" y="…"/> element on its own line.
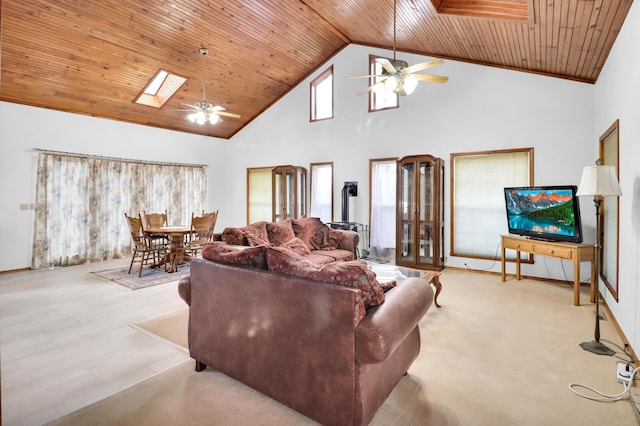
<point x="80" y="204"/>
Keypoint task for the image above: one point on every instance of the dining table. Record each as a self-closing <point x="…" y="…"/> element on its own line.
<point x="176" y="235"/>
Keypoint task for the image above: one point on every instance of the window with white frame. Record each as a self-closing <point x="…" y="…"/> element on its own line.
<point x="383" y="173"/>
<point x="322" y="191"/>
<point x="322" y="96"/>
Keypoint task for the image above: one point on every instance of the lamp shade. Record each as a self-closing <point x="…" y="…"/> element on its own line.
<point x="599" y="180"/>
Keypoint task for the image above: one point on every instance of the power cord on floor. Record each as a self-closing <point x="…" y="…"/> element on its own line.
<point x="603" y="396"/>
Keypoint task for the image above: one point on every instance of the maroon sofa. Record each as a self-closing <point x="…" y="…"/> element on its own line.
<point x="303" y="342"/>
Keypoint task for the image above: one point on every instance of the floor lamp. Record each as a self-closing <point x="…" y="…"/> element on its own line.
<point x="598" y="181"/>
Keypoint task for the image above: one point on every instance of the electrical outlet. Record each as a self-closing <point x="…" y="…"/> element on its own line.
<point x="623" y="374"/>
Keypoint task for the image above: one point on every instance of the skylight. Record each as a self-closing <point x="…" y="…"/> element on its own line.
<point x="160" y="89"/>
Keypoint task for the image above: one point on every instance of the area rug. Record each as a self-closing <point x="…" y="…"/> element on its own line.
<point x="172" y="327"/>
<point x="149" y="278"/>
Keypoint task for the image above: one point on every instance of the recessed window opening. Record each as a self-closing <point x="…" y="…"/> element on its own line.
<point x="160" y="89"/>
<point x="322" y="96"/>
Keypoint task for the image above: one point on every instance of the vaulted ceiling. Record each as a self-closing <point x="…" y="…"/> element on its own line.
<point x="96" y="56"/>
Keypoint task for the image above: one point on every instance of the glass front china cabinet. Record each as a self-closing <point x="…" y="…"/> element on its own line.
<point x="289" y="193"/>
<point x="420" y="222"/>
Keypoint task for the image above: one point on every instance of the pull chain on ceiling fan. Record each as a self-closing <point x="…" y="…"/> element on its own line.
<point x="397" y="76"/>
<point x="204" y="111"/>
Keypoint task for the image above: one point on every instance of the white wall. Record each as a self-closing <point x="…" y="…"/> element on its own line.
<point x="616" y="97"/>
<point x="479" y="109"/>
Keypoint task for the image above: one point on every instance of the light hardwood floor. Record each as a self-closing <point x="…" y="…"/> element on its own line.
<point x="66" y="340"/>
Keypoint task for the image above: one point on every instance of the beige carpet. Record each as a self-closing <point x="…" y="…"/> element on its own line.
<point x="494" y="354"/>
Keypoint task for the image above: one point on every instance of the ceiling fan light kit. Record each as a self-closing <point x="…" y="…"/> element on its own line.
<point x="203" y="111"/>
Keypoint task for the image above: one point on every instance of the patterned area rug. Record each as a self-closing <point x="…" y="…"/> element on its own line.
<point x="150" y="276"/>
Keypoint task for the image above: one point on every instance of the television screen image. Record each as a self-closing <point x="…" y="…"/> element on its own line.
<point x="546" y="212"/>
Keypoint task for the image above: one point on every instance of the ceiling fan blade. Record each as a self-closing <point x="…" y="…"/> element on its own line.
<point x="363" y="76"/>
<point x="431" y="78"/>
<point x="423" y="65"/>
<point x="388" y="67"/>
<point x="227" y="114"/>
<point x="370" y="88"/>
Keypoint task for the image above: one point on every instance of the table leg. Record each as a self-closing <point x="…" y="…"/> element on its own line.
<point x="518" y="265"/>
<point x="576" y="281"/>
<point x="504" y="275"/>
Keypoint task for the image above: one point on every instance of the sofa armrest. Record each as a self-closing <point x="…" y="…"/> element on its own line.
<point x="184" y="289"/>
<point x="386" y="326"/>
<point x="350" y="242"/>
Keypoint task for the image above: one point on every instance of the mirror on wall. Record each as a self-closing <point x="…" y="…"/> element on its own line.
<point x="609" y="214"/>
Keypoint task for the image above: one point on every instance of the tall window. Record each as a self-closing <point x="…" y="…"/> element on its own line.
<point x="322" y="96"/>
<point x="380" y="98"/>
<point x="383" y="208"/>
<point x="259" y="194"/>
<point x="477" y="201"/>
<point x="322" y="191"/>
<point x="80" y="204"/>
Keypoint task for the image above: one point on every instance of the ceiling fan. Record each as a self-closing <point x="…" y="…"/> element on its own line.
<point x="203" y="111"/>
<point x="397" y="76"/>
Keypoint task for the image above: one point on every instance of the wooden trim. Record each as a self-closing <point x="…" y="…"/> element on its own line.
<point x="11" y="271"/>
<point x="613" y="287"/>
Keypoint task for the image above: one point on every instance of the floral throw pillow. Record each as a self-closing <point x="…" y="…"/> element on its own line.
<point x="354" y="274"/>
<point x="233" y="236"/>
<point x="297" y="245"/>
<point x="306" y="229"/>
<point x="326" y="238"/>
<point x="279" y="233"/>
<point x="256" y="233"/>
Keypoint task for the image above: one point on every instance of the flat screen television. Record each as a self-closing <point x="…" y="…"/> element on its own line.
<point x="544" y="212"/>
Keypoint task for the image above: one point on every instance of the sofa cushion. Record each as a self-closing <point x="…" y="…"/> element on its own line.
<point x="354" y="274"/>
<point x="337" y="254"/>
<point x="297" y="245"/>
<point x="233" y="236"/>
<point x="236" y="255"/>
<point x="318" y="259"/>
<point x="326" y="238"/>
<point x="256" y="233"/>
<point x="286" y="261"/>
<point x="306" y="228"/>
<point x="280" y="233"/>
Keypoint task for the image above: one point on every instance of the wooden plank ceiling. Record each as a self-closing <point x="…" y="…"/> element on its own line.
<point x="95" y="56"/>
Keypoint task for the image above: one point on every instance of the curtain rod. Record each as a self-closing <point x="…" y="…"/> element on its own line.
<point x="124" y="160"/>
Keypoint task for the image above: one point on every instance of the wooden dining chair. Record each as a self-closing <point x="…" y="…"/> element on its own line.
<point x="141" y="247"/>
<point x="156" y="220"/>
<point x="201" y="232"/>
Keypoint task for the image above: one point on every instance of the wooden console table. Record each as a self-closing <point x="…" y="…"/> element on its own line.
<point x="583" y="252"/>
